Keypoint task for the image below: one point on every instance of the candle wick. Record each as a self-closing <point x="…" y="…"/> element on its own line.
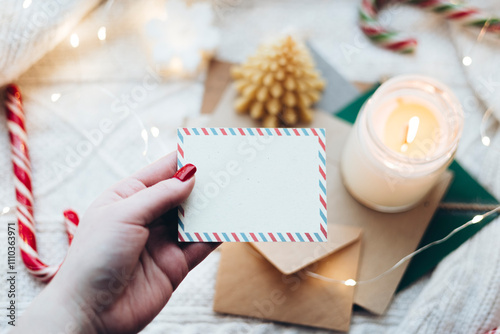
<point x="411" y="132"/>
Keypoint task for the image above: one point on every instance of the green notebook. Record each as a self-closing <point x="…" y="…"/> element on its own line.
<point x="463" y="189"/>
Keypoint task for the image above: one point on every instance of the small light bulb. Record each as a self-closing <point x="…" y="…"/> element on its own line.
<point x="350" y="282"/>
<point x="155" y="131"/>
<point x="477" y="219"/>
<point x="26" y="3"/>
<point x="54" y="97"/>
<point x="74" y="40"/>
<point x="144" y="135"/>
<point x="486" y="141"/>
<point x="5" y="210"/>
<point x="467" y="61"/>
<point x="101" y="33"/>
<point x="176" y="64"/>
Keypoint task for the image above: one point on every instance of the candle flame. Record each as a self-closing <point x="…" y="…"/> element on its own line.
<point x="412" y="129"/>
<point x="411" y="132"/>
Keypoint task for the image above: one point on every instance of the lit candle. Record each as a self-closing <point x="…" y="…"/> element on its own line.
<point x="405" y="136"/>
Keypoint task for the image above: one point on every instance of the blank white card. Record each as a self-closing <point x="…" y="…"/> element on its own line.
<point x="254" y="184"/>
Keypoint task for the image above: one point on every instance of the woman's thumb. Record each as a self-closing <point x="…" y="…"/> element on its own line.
<point x="150" y="203"/>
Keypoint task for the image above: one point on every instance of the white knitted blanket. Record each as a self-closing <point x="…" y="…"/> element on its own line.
<point x="461" y="296"/>
<point x="30" y="29"/>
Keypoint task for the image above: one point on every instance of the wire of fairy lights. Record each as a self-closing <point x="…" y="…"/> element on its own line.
<point x="467" y="60"/>
<point x="351" y="282"/>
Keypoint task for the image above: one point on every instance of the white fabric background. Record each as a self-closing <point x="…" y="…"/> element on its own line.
<point x="461" y="296"/>
<point x="28" y="34"/>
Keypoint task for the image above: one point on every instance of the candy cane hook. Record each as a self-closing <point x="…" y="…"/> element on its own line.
<point x="22" y="180"/>
<point x="392" y="40"/>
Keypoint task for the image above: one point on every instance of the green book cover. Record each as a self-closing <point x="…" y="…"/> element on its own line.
<point x="463" y="189"/>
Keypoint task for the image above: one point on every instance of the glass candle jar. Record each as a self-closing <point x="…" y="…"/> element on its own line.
<point x="405" y="136"/>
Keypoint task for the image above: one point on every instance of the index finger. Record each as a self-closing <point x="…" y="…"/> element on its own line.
<point x="161" y="170"/>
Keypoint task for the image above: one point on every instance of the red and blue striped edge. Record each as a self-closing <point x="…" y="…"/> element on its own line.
<point x="319" y="236"/>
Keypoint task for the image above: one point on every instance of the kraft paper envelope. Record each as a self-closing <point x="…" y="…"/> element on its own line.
<point x="386" y="237"/>
<point x="248" y="285"/>
<point x="290" y="258"/>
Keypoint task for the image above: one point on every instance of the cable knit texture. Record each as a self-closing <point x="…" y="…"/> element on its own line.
<point x="73" y="160"/>
<point x="27" y="34"/>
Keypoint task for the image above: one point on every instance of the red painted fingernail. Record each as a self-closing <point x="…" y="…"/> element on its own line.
<point x="186" y="172"/>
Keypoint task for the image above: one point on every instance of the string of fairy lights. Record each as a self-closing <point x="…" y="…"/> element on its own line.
<point x="74" y="41"/>
<point x="466" y="60"/>
<point x="351" y="282"/>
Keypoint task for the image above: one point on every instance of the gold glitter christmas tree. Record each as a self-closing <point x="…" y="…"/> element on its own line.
<point x="278" y="85"/>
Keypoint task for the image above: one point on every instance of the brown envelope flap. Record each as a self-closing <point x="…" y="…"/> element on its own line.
<point x="292" y="257"/>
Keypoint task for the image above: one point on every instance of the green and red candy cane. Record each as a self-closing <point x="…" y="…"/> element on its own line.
<point x="393" y="40"/>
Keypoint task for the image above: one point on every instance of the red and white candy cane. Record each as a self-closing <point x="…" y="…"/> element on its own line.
<point x="393" y="40"/>
<point x="22" y="179"/>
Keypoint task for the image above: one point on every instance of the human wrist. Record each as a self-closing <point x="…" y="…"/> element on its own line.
<point x="81" y="317"/>
<point x="57" y="309"/>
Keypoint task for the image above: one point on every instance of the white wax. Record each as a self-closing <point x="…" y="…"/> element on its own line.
<point x="378" y="187"/>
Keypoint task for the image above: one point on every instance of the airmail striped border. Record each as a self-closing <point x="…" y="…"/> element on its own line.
<point x="321" y="235"/>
